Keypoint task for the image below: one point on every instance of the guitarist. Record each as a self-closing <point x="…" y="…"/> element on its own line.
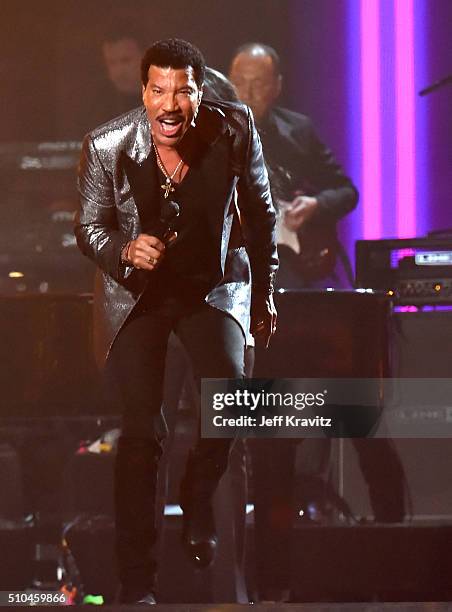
<point x="312" y="195"/>
<point x="307" y="183"/>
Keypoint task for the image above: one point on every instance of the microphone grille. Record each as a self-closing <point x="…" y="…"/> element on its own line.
<point x="169" y="211"/>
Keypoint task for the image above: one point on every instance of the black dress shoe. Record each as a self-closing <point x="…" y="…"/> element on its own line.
<point x="137" y="597"/>
<point x="147" y="600"/>
<point x="199" y="535"/>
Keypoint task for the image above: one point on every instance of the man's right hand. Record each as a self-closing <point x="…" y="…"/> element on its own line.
<point x="263" y="317"/>
<point x="299" y="211"/>
<point x="145" y="252"/>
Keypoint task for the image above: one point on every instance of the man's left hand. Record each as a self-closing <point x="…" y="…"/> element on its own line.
<point x="300" y="211"/>
<point x="263" y="318"/>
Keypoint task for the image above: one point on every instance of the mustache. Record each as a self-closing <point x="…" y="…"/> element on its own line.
<point x="170" y="116"/>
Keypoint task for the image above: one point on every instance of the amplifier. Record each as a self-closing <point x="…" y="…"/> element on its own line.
<point x="415" y="271"/>
<point x="377" y="563"/>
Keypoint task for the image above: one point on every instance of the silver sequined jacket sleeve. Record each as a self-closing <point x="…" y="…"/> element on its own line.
<point x="259" y="217"/>
<point x="96" y="229"/>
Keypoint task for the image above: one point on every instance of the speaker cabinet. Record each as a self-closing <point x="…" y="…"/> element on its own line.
<point x="421" y="348"/>
<point x="372" y="563"/>
<point x="46" y="355"/>
<point x="327" y="334"/>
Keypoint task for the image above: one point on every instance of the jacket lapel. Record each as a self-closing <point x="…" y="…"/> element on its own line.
<point x="141" y="171"/>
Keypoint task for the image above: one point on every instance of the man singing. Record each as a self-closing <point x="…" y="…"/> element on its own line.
<point x="191" y="270"/>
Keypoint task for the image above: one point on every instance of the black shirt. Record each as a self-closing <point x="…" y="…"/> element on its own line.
<point x="185" y="275"/>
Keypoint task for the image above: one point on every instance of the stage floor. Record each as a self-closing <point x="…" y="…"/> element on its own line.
<point x="311" y="607"/>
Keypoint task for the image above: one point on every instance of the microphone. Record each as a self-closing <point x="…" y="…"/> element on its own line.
<point x="437" y="85"/>
<point x="168" y="214"/>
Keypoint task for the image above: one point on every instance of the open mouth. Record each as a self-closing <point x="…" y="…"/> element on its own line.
<point x="170" y="126"/>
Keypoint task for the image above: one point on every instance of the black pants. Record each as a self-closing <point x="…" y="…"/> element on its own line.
<point x="135" y="375"/>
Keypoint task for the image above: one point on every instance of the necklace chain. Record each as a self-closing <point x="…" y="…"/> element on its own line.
<point x="168" y="186"/>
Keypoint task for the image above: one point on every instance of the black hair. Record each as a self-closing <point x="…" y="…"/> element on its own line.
<point x="218" y="87"/>
<point x="174" y="53"/>
<point x="117" y="30"/>
<point x="249" y="47"/>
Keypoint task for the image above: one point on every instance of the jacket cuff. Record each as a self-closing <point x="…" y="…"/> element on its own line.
<point x="264" y="286"/>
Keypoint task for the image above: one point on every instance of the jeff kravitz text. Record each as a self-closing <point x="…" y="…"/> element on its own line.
<point x="274" y="421"/>
<point x="265" y="408"/>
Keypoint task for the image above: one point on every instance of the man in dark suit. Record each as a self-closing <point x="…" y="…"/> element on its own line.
<point x="312" y="194"/>
<point x="117" y="89"/>
<point x="310" y="188"/>
<point x="192" y="277"/>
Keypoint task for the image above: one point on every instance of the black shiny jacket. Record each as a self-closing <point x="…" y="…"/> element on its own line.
<point x="116" y="186"/>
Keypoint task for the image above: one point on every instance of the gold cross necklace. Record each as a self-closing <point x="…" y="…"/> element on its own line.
<point x="168" y="184"/>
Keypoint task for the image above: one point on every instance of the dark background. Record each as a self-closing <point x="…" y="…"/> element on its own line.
<point x="51" y="52"/>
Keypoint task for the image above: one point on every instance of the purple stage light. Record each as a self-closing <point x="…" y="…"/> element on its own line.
<point x="370" y="118"/>
<point x="387" y="122"/>
<point x="405" y="118"/>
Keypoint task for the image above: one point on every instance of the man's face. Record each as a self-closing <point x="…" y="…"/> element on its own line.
<point x="122" y="60"/>
<point x="171" y="98"/>
<point x="256" y="82"/>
